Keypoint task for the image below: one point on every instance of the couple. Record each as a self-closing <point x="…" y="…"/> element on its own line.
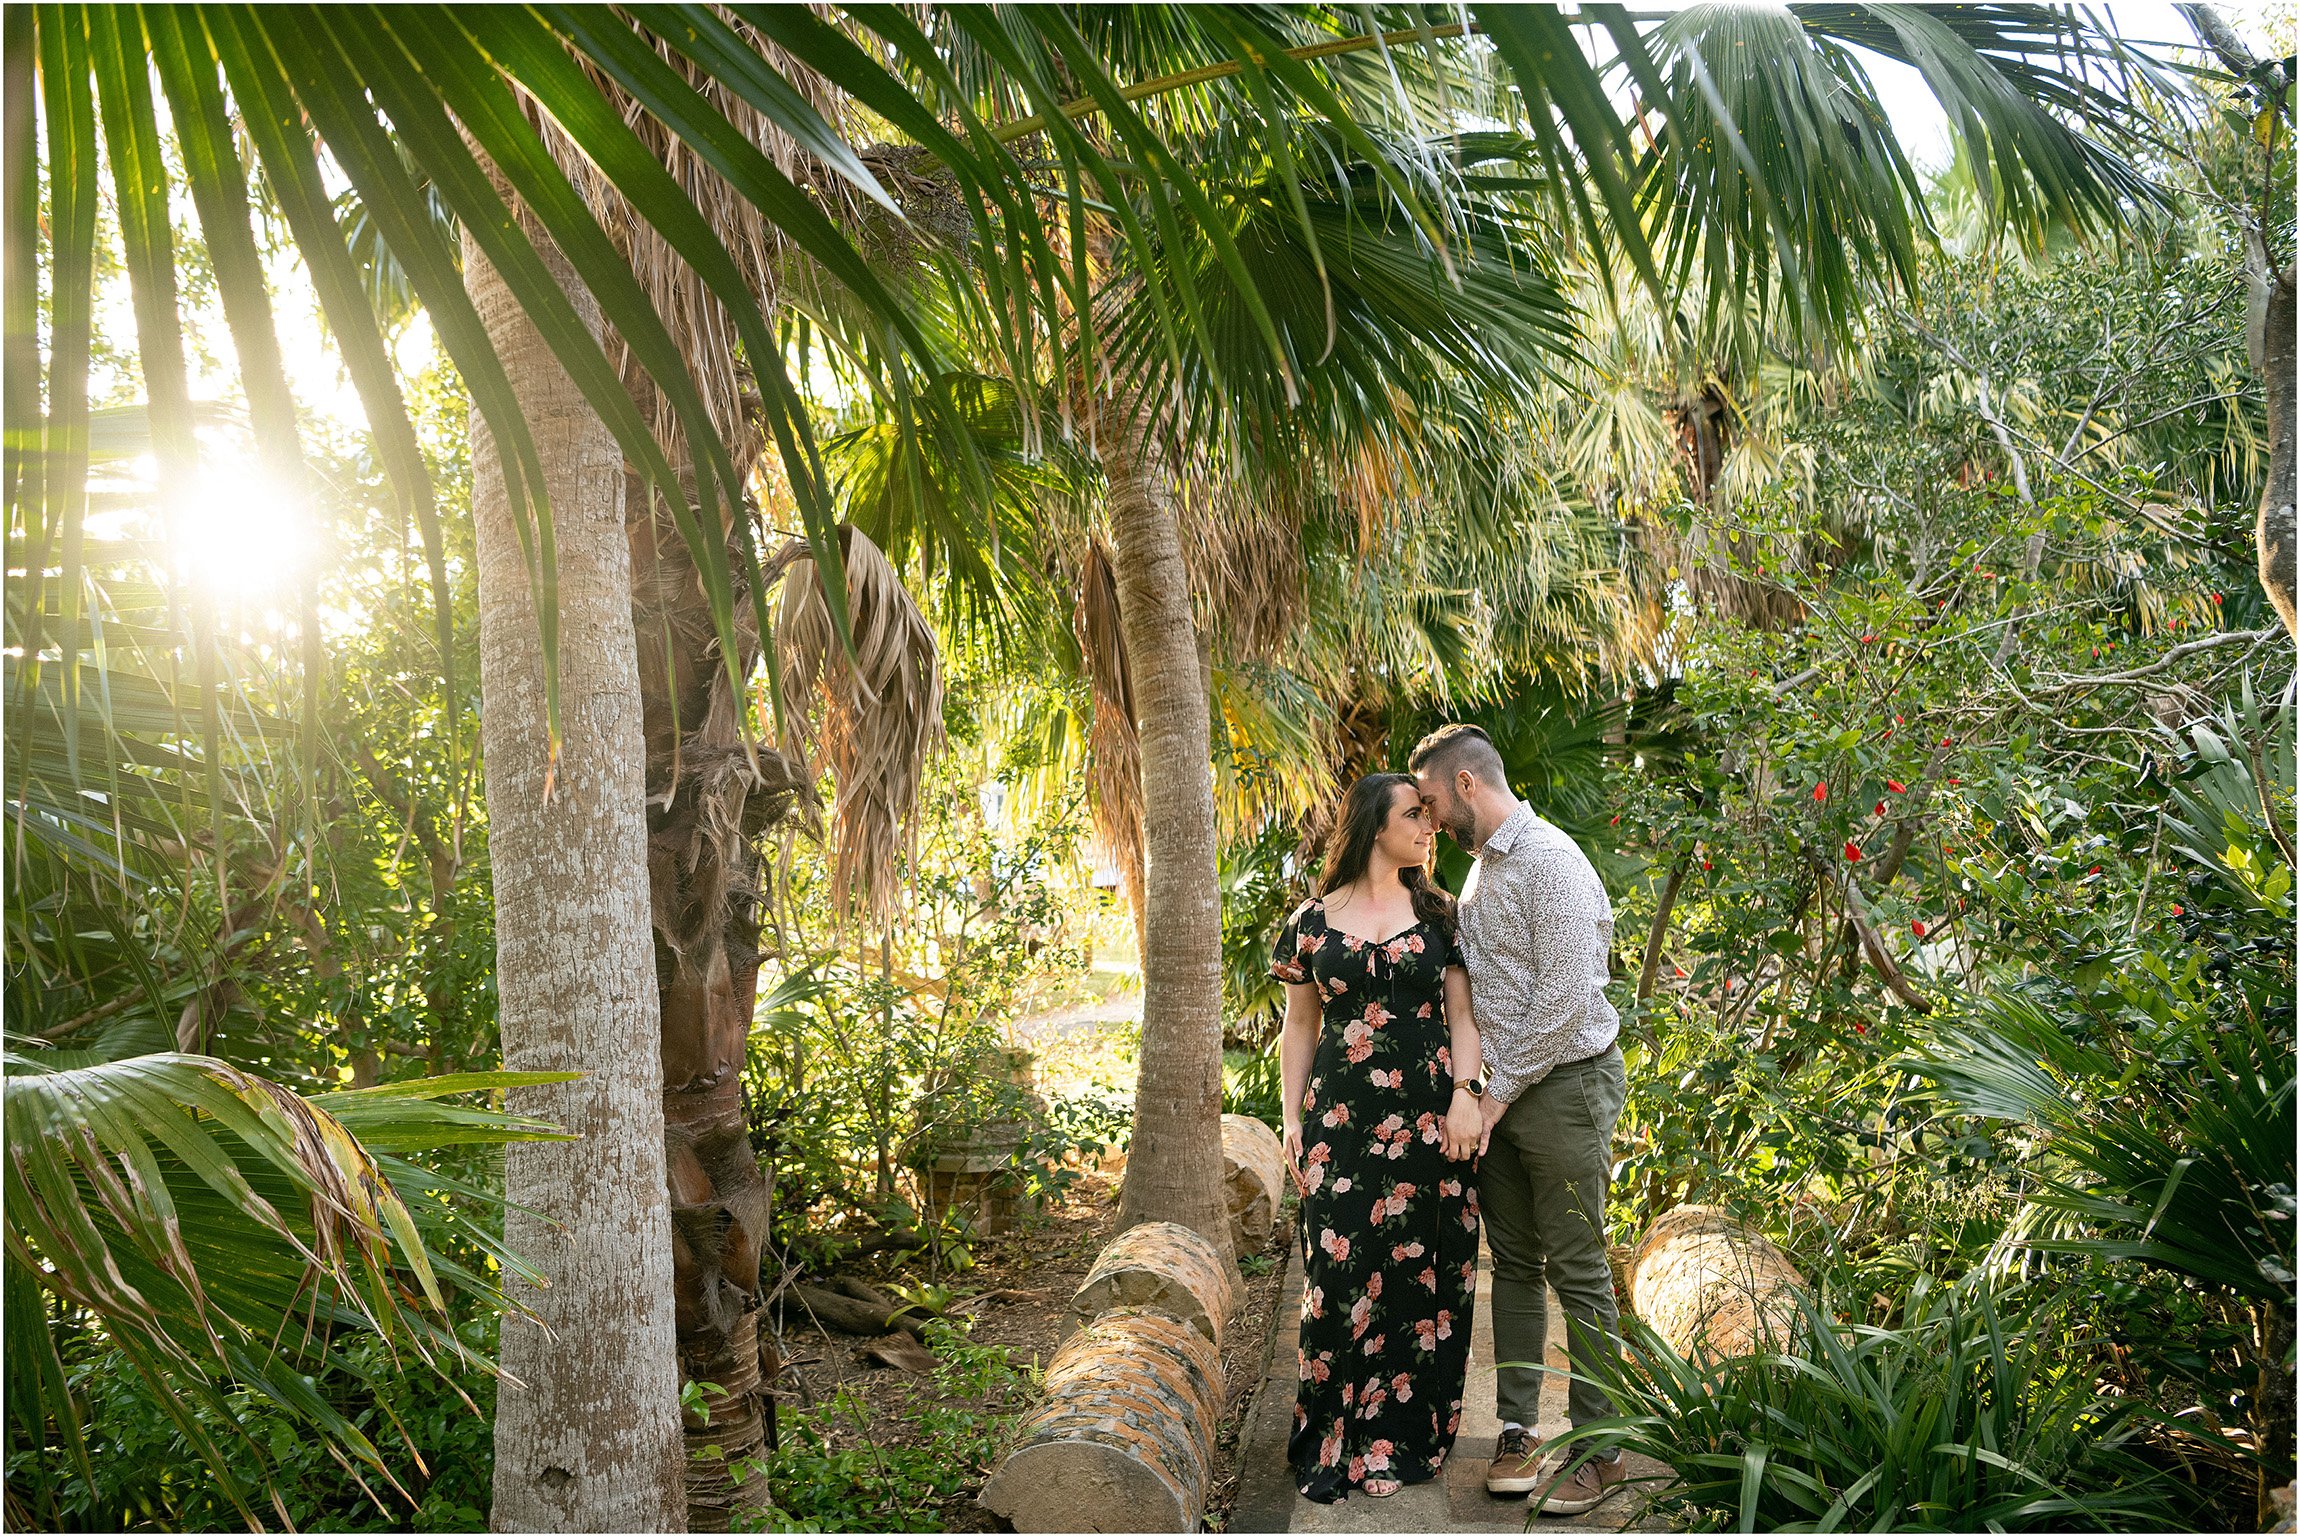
<point x="1406" y="1114"/>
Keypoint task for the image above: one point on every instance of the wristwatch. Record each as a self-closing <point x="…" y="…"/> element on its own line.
<point x="1476" y="1086"/>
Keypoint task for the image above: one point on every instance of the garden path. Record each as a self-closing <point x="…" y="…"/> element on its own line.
<point x="1268" y="1502"/>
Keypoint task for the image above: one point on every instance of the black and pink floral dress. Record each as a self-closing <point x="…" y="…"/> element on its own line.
<point x="1389" y="1223"/>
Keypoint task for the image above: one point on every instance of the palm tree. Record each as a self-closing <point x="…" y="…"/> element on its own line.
<point x="2273" y="300"/>
<point x="599" y="1434"/>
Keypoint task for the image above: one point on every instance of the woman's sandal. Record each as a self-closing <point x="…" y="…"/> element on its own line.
<point x="1381" y="1488"/>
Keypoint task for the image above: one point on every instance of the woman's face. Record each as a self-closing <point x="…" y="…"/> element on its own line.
<point x="1406" y="835"/>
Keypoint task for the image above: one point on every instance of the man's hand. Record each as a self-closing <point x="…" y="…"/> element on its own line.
<point x="1464" y="1125"/>
<point x="1493" y="1110"/>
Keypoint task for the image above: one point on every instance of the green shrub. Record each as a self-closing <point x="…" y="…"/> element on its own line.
<point x="147" y="1477"/>
<point x="1973" y="1414"/>
<point x="832" y="1475"/>
<point x="1251" y="1085"/>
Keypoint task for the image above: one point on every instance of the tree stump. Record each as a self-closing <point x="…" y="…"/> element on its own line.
<point x="1712" y="1288"/>
<point x="1254" y="1180"/>
<point x="1124" y="1441"/>
<point x="1165" y="1266"/>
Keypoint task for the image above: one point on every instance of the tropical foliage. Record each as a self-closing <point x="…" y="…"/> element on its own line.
<point x="1858" y="559"/>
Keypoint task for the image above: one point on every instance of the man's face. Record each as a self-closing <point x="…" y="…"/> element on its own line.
<point x="1442" y="795"/>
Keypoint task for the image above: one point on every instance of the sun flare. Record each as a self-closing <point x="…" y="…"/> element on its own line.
<point x="242" y="537"/>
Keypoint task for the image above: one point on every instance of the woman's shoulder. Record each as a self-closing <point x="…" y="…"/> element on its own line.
<point x="1311" y="907"/>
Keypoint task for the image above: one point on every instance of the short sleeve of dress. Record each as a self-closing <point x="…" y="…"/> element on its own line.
<point x="1448" y="931"/>
<point x="1287" y="963"/>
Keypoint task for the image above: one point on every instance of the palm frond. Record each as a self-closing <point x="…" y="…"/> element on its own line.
<point x="224" y="1229"/>
<point x="881" y="711"/>
<point x="2184" y="1161"/>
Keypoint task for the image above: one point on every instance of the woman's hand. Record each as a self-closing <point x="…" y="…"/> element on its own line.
<point x="1464" y="1125"/>
<point x="1291" y="1140"/>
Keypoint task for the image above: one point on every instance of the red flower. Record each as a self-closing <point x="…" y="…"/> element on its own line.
<point x="1945" y="741"/>
<point x="2216" y="597"/>
<point x="1704" y="864"/>
<point x="1918" y="928"/>
<point x="1880" y="808"/>
<point x="1896" y="787"/>
<point x="2095" y="870"/>
<point x="2178" y="910"/>
<point x="1888" y="736"/>
<point x="1956" y="781"/>
<point x="1868" y="639"/>
<point x="1859" y="1028"/>
<point x="1853" y="852"/>
<point x="1616" y="819"/>
<point x="1821" y="791"/>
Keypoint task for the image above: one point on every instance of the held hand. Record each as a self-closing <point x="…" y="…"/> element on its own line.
<point x="1463" y="1126"/>
<point x="1291" y="1141"/>
<point x="1490" y="1117"/>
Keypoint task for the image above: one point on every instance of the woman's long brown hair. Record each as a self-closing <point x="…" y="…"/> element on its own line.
<point x="1350" y="848"/>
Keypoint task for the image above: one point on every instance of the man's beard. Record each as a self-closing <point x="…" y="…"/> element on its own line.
<point x="1459" y="824"/>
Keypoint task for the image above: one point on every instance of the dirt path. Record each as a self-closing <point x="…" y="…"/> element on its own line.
<point x="1025" y="1281"/>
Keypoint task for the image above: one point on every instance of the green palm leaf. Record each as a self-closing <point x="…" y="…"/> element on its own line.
<point x="222" y="1229"/>
<point x="2185" y="1162"/>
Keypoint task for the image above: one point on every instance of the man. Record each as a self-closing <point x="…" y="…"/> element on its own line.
<point x="1537" y="933"/>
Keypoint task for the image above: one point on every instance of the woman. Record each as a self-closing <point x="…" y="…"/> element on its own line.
<point x="1380" y="1063"/>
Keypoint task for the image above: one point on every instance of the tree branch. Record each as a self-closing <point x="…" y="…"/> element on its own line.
<point x="2070" y="682"/>
<point x="1660" y="930"/>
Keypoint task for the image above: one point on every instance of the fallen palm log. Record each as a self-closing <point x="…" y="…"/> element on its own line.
<point x="851" y="1315"/>
<point x="1712" y="1288"/>
<point x="1165" y="1266"/>
<point x="1124" y="1441"/>
<point x="1253" y="1180"/>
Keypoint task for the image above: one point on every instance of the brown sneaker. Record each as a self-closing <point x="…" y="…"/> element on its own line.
<point x="1588" y="1488"/>
<point x="1516" y="1465"/>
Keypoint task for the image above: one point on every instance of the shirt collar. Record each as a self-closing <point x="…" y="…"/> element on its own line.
<point x="1513" y="827"/>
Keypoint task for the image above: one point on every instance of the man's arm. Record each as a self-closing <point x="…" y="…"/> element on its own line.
<point x="1550" y="968"/>
<point x="1501" y="994"/>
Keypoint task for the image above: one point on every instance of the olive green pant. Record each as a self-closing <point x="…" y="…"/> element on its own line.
<point x="1541" y="1187"/>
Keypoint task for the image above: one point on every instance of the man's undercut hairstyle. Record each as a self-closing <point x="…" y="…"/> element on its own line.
<point x="1449" y="749"/>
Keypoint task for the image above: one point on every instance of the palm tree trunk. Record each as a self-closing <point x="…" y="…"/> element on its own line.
<point x="587" y="1428"/>
<point x="1174" y="1168"/>
<point x="2278" y="532"/>
<point x="704" y="803"/>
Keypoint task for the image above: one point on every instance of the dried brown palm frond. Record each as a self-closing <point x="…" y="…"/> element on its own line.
<point x="1243" y="545"/>
<point x="698" y="323"/>
<point x="1112" y="747"/>
<point x="880" y="711"/>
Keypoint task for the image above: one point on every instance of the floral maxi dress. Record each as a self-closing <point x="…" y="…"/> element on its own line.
<point x="1389" y="1223"/>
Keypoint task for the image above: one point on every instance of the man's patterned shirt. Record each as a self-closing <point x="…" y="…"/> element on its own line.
<point x="1537" y="932"/>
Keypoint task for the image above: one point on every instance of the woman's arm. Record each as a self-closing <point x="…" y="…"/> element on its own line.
<point x="1297" y="1044"/>
<point x="1464" y="1117"/>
